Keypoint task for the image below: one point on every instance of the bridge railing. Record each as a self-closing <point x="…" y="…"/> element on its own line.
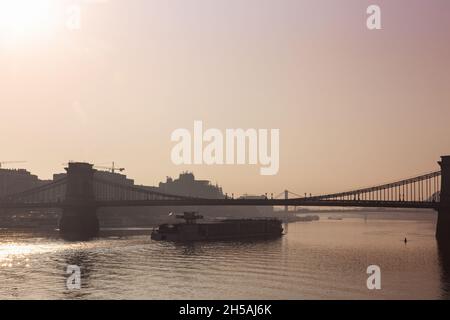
<point x="423" y="188"/>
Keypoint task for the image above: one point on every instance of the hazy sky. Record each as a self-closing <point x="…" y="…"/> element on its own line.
<point x="354" y="107"/>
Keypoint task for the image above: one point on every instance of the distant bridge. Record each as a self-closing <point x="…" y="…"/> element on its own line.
<point x="80" y="193"/>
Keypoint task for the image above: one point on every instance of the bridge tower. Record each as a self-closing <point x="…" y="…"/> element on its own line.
<point x="79" y="219"/>
<point x="443" y="224"/>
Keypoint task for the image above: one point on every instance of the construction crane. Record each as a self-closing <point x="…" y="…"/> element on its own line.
<point x="112" y="169"/>
<point x="9" y="162"/>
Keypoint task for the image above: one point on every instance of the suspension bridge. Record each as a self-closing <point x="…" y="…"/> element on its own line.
<point x="80" y="193"/>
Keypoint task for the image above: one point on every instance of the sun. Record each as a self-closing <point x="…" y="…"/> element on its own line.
<point x="25" y="19"/>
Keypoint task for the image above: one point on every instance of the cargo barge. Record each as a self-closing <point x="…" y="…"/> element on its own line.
<point x="229" y="229"/>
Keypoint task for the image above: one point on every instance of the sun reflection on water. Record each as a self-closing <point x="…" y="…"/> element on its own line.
<point x="18" y="254"/>
<point x="21" y="254"/>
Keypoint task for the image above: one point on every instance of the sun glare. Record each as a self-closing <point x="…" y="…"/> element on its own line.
<point x="25" y="19"/>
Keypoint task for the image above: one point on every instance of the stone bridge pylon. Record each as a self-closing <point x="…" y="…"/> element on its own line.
<point x="443" y="224"/>
<point x="79" y="219"/>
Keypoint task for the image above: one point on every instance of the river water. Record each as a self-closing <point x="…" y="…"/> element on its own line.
<point x="326" y="259"/>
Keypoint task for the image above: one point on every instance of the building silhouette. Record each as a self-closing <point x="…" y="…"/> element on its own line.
<point x="187" y="185"/>
<point x="17" y="180"/>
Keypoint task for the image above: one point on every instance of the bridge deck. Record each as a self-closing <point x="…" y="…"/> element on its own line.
<point x="236" y="202"/>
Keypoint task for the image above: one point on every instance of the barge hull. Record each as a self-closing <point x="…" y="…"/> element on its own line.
<point x="224" y="230"/>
